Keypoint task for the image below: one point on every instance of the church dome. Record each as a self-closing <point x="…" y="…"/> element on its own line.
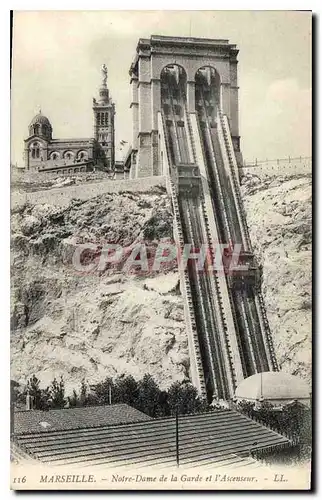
<point x="274" y="387"/>
<point x="41" y="127"/>
<point x="40" y="120"/>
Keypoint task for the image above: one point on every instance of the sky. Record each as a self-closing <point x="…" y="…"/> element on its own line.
<point x="57" y="56"/>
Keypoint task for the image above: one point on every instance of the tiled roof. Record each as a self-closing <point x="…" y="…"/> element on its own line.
<point x="220" y="438"/>
<point x="35" y="421"/>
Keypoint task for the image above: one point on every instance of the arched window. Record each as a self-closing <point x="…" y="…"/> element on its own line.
<point x="82" y="155"/>
<point x="54" y="155"/>
<point x="68" y="155"/>
<point x="207" y="92"/>
<point x="37" y="129"/>
<point x="35" y="150"/>
<point x="98" y="118"/>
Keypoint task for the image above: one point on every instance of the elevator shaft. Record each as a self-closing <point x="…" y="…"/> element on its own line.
<point x="228" y="334"/>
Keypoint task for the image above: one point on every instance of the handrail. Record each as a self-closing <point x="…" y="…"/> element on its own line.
<point x="289" y="159"/>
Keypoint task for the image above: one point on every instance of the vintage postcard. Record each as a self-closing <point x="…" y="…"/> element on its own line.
<point x="161" y="185"/>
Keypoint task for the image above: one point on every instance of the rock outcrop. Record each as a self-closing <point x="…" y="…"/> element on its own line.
<point x="279" y="215"/>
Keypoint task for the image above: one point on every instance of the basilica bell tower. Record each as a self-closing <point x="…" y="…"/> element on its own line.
<point x="104" y="132"/>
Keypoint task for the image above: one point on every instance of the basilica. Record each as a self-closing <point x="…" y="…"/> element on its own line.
<point x="43" y="153"/>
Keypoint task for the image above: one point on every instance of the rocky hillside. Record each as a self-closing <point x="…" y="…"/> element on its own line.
<point x="95" y="324"/>
<point x="279" y="214"/>
<point x="90" y="325"/>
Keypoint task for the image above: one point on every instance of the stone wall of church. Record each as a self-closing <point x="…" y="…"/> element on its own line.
<point x="42" y="154"/>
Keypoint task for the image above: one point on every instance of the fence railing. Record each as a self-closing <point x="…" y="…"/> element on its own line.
<point x="289" y="159"/>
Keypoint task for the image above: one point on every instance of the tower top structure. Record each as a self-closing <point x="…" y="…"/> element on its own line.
<point x="103" y="90"/>
<point x="186" y="56"/>
<point x="104" y="111"/>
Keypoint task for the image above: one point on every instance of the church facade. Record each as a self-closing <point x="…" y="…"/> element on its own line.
<point x="43" y="153"/>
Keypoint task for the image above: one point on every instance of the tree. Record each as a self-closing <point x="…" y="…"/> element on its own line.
<point x="57" y="393"/>
<point x="100" y="392"/>
<point x="39" y="396"/>
<point x="74" y="400"/>
<point x="183" y="398"/>
<point x="266" y="414"/>
<point x="150" y="397"/>
<point x="246" y="407"/>
<point x="126" y="390"/>
<point x="83" y="398"/>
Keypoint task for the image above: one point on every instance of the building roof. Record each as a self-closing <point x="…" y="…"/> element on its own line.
<point x="41" y="119"/>
<point x="78" y="139"/>
<point x="273" y="386"/>
<point x="219" y="438"/>
<point x="159" y="42"/>
<point x="38" y="421"/>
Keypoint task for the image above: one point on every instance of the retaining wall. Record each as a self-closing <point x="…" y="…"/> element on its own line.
<point x="63" y="195"/>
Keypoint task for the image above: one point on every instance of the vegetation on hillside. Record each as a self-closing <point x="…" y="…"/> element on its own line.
<point x="294" y="421"/>
<point x="144" y="395"/>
